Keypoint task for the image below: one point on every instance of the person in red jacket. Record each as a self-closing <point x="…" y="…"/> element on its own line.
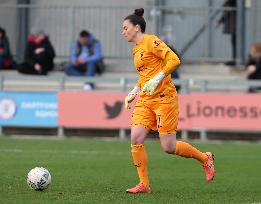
<point x="39" y="55"/>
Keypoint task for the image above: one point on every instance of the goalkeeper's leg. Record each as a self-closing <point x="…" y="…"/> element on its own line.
<point x="167" y="122"/>
<point x="139" y="155"/>
<point x="183" y="149"/>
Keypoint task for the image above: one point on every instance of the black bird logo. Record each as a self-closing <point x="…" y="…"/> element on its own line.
<point x="113" y="111"/>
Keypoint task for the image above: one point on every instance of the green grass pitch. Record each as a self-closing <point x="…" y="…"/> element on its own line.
<point x="99" y="171"/>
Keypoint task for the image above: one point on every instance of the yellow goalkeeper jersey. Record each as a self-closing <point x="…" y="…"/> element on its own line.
<point x="149" y="57"/>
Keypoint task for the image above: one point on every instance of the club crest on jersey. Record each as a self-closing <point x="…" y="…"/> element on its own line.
<point x="141" y="56"/>
<point x="140" y="68"/>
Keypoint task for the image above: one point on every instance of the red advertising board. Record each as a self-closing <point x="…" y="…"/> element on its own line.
<point x="196" y="111"/>
<point x="224" y="111"/>
<point x="93" y="110"/>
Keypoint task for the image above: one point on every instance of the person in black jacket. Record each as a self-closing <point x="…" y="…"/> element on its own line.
<point x="253" y="65"/>
<point x="39" y="55"/>
<point x="6" y="60"/>
<point x="229" y="21"/>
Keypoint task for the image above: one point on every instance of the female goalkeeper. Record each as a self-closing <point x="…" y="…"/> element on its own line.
<point x="157" y="105"/>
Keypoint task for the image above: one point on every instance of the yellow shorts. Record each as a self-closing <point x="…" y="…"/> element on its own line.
<point x="160" y="115"/>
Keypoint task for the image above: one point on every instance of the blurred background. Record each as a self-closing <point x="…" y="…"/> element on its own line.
<point x="213" y="38"/>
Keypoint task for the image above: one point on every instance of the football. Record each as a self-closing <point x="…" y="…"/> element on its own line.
<point x="38" y="178"/>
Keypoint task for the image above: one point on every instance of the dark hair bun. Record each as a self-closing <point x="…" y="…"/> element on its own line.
<point x="139" y="12"/>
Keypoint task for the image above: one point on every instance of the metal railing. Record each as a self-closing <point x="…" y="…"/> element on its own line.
<point x="125" y="83"/>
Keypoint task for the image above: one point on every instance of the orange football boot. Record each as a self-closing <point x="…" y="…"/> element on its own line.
<point x="209" y="167"/>
<point x="140" y="188"/>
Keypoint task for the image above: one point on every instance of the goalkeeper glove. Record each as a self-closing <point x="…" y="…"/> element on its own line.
<point x="131" y="96"/>
<point x="150" y="87"/>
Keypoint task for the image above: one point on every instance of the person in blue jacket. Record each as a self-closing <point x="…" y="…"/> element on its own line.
<point x="86" y="54"/>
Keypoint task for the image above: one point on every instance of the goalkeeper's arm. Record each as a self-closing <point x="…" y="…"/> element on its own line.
<point x="131" y="96"/>
<point x="171" y="62"/>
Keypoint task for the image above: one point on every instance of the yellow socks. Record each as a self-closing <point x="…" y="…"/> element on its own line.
<point x="139" y="157"/>
<point x="184" y="149"/>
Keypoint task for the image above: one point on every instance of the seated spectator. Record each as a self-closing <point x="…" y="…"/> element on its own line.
<point x="254" y="65"/>
<point x="6" y="61"/>
<point x="86" y="56"/>
<point x="39" y="55"/>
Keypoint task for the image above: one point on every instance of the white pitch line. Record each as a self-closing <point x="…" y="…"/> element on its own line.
<point x="62" y="152"/>
<point x="11" y="150"/>
<point x="92" y="152"/>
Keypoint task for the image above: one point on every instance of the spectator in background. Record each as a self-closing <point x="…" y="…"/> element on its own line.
<point x="229" y="21"/>
<point x="253" y="65"/>
<point x="6" y="61"/>
<point x="86" y="57"/>
<point x="39" y="54"/>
